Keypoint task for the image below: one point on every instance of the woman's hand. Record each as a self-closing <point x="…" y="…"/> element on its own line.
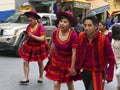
<point x="72" y="68"/>
<point x="30" y="35"/>
<point x="72" y="71"/>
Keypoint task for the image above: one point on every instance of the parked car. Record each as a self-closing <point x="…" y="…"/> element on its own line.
<point x="11" y="30"/>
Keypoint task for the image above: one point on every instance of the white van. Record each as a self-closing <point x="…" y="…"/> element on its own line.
<point x="11" y="30"/>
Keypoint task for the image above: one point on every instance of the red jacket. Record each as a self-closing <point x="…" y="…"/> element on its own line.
<point x="101" y="54"/>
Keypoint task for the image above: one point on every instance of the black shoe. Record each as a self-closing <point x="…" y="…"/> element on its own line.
<point x="24" y="82"/>
<point x="40" y="81"/>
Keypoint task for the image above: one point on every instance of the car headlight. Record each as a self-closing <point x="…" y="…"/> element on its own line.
<point x="9" y="32"/>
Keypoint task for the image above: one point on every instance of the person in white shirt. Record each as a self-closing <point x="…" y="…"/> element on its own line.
<point x="116" y="48"/>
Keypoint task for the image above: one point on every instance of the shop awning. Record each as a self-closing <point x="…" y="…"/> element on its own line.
<point x="99" y="6"/>
<point x="75" y="1"/>
<point x="49" y="2"/>
<point x="96" y="6"/>
<point x="79" y="3"/>
<point x="115" y="13"/>
<point x="114" y="8"/>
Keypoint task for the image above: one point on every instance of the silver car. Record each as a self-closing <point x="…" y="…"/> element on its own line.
<point x="11" y="30"/>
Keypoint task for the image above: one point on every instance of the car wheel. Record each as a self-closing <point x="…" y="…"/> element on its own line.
<point x="19" y="45"/>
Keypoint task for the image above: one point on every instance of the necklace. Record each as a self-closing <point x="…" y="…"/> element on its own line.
<point x="65" y="36"/>
<point x="62" y="37"/>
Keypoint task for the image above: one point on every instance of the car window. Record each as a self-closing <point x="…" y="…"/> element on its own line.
<point x="16" y="18"/>
<point x="22" y="19"/>
<point x="53" y="20"/>
<point x="45" y="20"/>
<point x="12" y="19"/>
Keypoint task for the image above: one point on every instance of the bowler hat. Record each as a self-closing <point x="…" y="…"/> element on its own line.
<point x="32" y="12"/>
<point x="69" y="15"/>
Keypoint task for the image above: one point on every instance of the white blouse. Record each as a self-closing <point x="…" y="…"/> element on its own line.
<point x="116" y="49"/>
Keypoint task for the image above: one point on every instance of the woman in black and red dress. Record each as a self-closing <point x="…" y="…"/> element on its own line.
<point x="35" y="48"/>
<point x="61" y="66"/>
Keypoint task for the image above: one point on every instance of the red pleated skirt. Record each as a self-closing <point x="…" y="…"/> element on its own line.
<point x="58" y="72"/>
<point x="35" y="52"/>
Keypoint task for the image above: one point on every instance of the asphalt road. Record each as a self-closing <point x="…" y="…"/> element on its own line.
<point x="11" y="72"/>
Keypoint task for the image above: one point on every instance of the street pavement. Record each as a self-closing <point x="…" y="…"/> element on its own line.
<point x="11" y="72"/>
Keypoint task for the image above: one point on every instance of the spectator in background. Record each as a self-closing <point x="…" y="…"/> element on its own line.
<point x="114" y="19"/>
<point x="116" y="49"/>
<point x="79" y="28"/>
<point x="104" y="29"/>
<point x="109" y="21"/>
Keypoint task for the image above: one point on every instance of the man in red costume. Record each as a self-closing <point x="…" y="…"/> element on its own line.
<point x="94" y="53"/>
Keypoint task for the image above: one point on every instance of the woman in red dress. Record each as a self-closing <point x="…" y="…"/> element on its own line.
<point x="35" y="48"/>
<point x="104" y="29"/>
<point x="61" y="66"/>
